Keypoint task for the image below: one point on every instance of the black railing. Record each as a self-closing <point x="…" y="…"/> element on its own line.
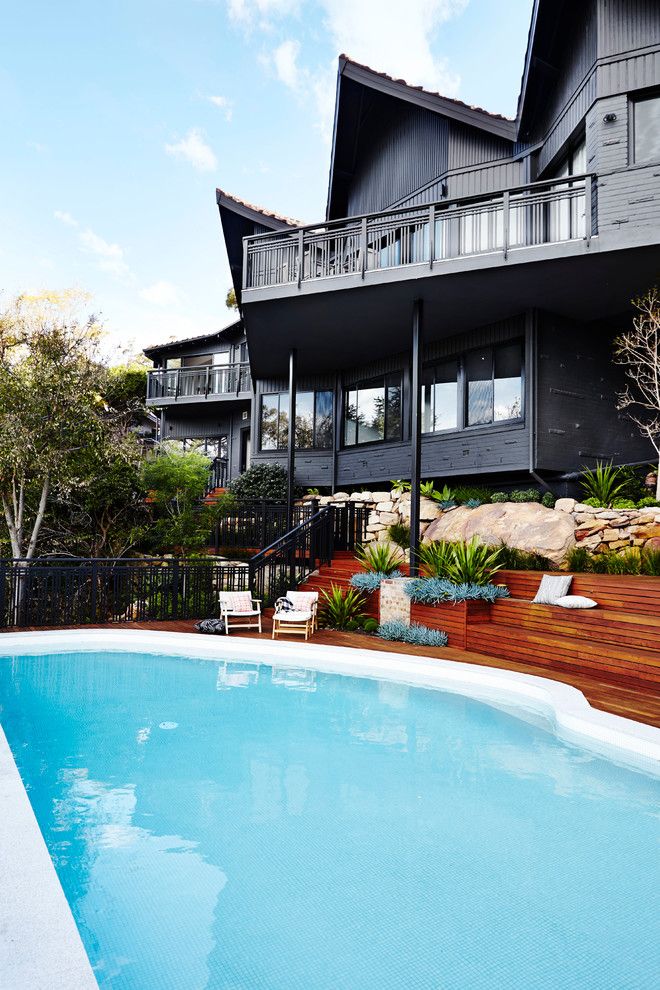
<point x="290" y="560"/>
<point x="218" y="473"/>
<point x="545" y="212"/>
<point x="71" y="592"/>
<point x="254" y="525"/>
<point x="350" y="521"/>
<point x="202" y="383"/>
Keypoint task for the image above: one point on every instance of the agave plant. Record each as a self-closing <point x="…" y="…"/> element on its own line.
<point x="604" y="483"/>
<point x="435" y="558"/>
<point x="341" y="607"/>
<point x="473" y="562"/>
<point x="381" y="557"/>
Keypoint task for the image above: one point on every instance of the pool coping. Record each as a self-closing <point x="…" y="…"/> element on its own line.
<point x="43" y="949"/>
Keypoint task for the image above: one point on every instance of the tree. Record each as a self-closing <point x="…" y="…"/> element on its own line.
<point x="230" y="300"/>
<point x="638" y="352"/>
<point x="51" y="407"/>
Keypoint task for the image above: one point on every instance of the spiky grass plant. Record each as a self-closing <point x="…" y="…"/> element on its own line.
<point x="415" y="634"/>
<point x="604" y="482"/>
<point x="383" y="558"/>
<point x="341" y="607"/>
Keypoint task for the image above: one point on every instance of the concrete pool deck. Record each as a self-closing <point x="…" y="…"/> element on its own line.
<point x="41" y="947"/>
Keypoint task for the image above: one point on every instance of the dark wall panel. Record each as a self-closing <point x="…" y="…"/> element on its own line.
<point x="627" y="24"/>
<point x="577" y="382"/>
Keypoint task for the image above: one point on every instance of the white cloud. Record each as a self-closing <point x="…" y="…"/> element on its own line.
<point x="249" y="12"/>
<point x="65" y="218"/>
<point x="109" y="257"/>
<point x="224" y="104"/>
<point x="194" y="149"/>
<point x="395" y="37"/>
<point x="285" y="59"/>
<point x="161" y="294"/>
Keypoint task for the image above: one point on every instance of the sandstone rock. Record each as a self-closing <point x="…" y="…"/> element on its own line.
<point x="527" y="526"/>
<point x="565" y="504"/>
<point x="610" y="535"/>
<point x="387" y="518"/>
<point x="385" y="506"/>
<point x="381" y="496"/>
<point x="653" y="543"/>
<point x="341" y="496"/>
<point x="361" y="497"/>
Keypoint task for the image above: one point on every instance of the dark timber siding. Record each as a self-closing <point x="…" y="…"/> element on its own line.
<point x="401" y="148"/>
<point x="577" y="382"/>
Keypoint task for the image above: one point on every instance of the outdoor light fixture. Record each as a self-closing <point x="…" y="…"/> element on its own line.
<point x="609" y="118"/>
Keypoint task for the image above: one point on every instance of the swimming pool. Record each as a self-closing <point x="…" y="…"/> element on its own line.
<point x="226" y="825"/>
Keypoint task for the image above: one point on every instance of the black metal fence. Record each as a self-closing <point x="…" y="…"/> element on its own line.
<point x="68" y="592"/>
<point x="288" y="561"/>
<point x="255" y="525"/>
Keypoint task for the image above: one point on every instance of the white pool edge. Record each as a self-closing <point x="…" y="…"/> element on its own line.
<point x="41" y="946"/>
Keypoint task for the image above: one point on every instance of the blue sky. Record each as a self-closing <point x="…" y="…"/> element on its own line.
<point x="121" y="117"/>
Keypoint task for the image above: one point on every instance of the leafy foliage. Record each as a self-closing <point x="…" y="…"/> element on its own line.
<point x="631" y="561"/>
<point x="438" y="591"/>
<point x="512" y="559"/>
<point x="463" y="494"/>
<point x="399" y="533"/>
<point x="605" y="482"/>
<point x="498" y="497"/>
<point x="548" y="500"/>
<point x="463" y="563"/>
<point x="261" y="481"/>
<point x="339" y="607"/>
<point x="525" y="495"/>
<point x="415" y="634"/>
<point x="370" y="625"/>
<point x="382" y="558"/>
<point x="369" y="581"/>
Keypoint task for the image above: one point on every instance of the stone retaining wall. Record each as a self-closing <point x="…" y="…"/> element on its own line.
<point x="522" y="525"/>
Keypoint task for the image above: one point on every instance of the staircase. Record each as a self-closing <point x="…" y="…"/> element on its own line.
<point x="339" y="573"/>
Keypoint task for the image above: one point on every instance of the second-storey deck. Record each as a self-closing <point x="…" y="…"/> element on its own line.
<point x="541" y="213"/>
<point x="211" y="382"/>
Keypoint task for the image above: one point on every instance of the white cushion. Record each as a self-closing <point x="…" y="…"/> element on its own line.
<point x="236" y="601"/>
<point x="293" y="616"/>
<point x="302" y="599"/>
<point x="235" y="614"/>
<point x="552" y="587"/>
<point x="576" y="601"/>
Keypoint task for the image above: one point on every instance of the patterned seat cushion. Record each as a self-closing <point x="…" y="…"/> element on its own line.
<point x="552" y="587"/>
<point x="303" y="599"/>
<point x="293" y="616"/>
<point x="237" y="601"/>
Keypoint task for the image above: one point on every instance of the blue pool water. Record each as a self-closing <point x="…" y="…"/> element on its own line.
<point x="236" y="827"/>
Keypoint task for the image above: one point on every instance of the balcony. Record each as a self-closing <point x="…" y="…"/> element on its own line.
<point x="188" y="385"/>
<point x="422" y="239"/>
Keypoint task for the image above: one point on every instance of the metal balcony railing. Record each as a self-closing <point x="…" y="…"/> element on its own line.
<point x="545" y="212"/>
<point x="211" y="380"/>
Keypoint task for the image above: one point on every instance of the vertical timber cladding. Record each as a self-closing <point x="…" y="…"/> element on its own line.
<point x="577" y="382"/>
<point x="477" y="450"/>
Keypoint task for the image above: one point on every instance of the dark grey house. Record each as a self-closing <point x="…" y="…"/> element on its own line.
<point x="202" y="390"/>
<point x="452" y="314"/>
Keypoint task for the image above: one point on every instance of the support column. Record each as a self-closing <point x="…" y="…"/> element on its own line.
<point x="291" y="452"/>
<point x="415" y="432"/>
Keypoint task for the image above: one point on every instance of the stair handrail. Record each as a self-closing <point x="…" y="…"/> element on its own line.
<point x="290" y="559"/>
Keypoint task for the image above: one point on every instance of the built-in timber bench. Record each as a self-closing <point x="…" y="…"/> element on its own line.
<point x="619" y="640"/>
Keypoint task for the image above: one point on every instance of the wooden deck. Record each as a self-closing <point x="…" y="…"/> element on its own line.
<point x="632" y="701"/>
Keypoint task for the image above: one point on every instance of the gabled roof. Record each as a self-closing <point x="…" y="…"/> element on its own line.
<point x="231" y="330"/>
<point x="257" y="213"/>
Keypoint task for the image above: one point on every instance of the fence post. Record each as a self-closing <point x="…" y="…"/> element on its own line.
<point x="264" y="541"/>
<point x="175" y="589"/>
<point x="3" y="593"/>
<point x="94" y="596"/>
<point x="350" y="536"/>
<point x="505" y="224"/>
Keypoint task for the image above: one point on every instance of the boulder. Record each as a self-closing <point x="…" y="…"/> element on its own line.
<point x="525" y="526"/>
<point x="653" y="543"/>
<point x="565" y="504"/>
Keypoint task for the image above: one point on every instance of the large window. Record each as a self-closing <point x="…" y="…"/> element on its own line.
<point x="646" y="128"/>
<point x="372" y="411"/>
<point x="566" y="216"/>
<point x="313" y="420"/>
<point x="493" y="378"/>
<point x="440" y="397"/>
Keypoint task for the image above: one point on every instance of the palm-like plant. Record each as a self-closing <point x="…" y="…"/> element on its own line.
<point x="340" y="607"/>
<point x="473" y="562"/>
<point x="381" y="557"/>
<point x="435" y="558"/>
<point x="604" y="483"/>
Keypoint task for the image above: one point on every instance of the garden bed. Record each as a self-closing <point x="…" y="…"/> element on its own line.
<point x="452" y="618"/>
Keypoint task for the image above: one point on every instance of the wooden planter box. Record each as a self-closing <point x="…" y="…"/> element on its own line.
<point x="452" y="619"/>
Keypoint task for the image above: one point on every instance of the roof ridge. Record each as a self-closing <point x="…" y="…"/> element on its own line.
<point x="422" y="89"/>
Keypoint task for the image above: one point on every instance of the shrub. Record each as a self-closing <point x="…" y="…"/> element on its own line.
<point x="472" y="503"/>
<point x="651" y="562"/>
<point x="580" y="560"/>
<point x="434" y="558"/>
<point x="369" y="581"/>
<point x="400" y="486"/>
<point x="499" y="497"/>
<point x="399" y="534"/>
<point x="438" y="591"/>
<point x="526" y="495"/>
<point x="370" y="625"/>
<point x="548" y="500"/>
<point x="611" y="562"/>
<point x="339" y="607"/>
<point x="415" y="634"/>
<point x="473" y="563"/>
<point x="605" y="482"/>
<point x="623" y="503"/>
<point x="467" y="493"/>
<point x="595" y="503"/>
<point x="261" y="481"/>
<point x="647" y="502"/>
<point x="383" y="558"/>
<point x="512" y="559"/>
